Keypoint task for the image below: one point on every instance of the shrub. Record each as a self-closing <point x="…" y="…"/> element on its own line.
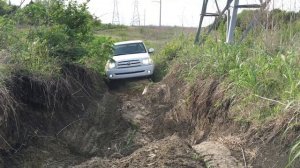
<point x="76" y="20"/>
<point x="6" y="9"/>
<point x="58" y="32"/>
<point x="98" y="52"/>
<point x="64" y="28"/>
<point x="33" y="56"/>
<point x="6" y="33"/>
<point x="33" y="14"/>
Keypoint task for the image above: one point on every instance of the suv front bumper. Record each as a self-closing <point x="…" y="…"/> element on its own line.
<point x="146" y="70"/>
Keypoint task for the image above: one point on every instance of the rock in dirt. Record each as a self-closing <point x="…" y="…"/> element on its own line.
<point x="216" y="155"/>
<point x="167" y="153"/>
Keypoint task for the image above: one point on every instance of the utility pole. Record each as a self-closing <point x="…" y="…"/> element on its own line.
<point x="160" y="13"/>
<point x="116" y="17"/>
<point x="160" y="10"/>
<point x="136" y="15"/>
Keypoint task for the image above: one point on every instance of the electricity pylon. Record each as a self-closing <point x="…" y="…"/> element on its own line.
<point x="116" y="17"/>
<point x="136" y="15"/>
<point x="231" y="19"/>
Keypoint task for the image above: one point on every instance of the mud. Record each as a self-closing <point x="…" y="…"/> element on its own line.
<point x="168" y="152"/>
<point x="216" y="154"/>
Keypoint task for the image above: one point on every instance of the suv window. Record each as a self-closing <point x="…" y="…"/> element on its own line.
<point x="133" y="48"/>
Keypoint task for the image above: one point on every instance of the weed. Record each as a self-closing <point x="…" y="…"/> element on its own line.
<point x="196" y="157"/>
<point x="164" y="59"/>
<point x="295" y="154"/>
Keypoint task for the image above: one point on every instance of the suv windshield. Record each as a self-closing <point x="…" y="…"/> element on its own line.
<point x="132" y="48"/>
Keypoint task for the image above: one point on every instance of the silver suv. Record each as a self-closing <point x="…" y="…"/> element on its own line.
<point x="130" y="59"/>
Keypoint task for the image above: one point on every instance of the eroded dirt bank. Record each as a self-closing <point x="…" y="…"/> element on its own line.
<point x="61" y="121"/>
<point x="78" y="121"/>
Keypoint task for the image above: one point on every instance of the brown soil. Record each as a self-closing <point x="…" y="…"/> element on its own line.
<point x="168" y="152"/>
<point x="216" y="154"/>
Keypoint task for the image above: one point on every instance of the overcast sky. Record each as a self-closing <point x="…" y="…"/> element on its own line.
<point x="174" y="12"/>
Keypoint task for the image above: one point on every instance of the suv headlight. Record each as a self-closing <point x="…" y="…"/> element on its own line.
<point x="111" y="65"/>
<point x="147" y="61"/>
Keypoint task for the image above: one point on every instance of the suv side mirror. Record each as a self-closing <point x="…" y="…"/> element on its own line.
<point x="150" y="50"/>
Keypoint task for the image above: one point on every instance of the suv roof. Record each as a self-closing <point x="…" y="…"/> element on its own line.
<point x="128" y="42"/>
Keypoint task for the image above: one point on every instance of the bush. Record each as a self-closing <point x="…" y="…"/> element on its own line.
<point x="58" y="32"/>
<point x="99" y="51"/>
<point x="36" y="60"/>
<point x="7" y="31"/>
<point x="66" y="32"/>
<point x="33" y="14"/>
<point x="64" y="28"/>
<point x="76" y="20"/>
<point x="6" y="9"/>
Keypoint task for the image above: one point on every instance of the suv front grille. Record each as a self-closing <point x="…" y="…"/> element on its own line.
<point x="129" y="64"/>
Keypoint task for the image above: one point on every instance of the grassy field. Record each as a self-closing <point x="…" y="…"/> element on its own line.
<point x="154" y="37"/>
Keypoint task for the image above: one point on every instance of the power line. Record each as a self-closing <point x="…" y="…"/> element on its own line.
<point x="116" y="17"/>
<point x="136" y="15"/>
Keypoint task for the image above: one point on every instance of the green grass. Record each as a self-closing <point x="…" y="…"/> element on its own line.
<point x="294" y="155"/>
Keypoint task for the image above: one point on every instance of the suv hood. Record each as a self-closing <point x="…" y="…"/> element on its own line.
<point x="128" y="57"/>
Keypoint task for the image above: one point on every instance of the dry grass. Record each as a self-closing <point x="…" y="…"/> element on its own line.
<point x="7" y="105"/>
<point x="7" y="113"/>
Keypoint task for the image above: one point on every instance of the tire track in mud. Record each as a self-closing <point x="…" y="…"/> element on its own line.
<point x="133" y="110"/>
<point x="136" y="111"/>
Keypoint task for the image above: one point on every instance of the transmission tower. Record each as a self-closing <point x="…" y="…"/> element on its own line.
<point x="116" y="17"/>
<point x="136" y="15"/>
<point x="231" y="19"/>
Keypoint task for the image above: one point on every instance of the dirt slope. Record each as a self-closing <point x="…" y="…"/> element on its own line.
<point x="61" y="121"/>
<point x="201" y="112"/>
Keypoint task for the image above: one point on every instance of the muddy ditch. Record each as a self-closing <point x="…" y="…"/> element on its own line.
<point x="77" y="120"/>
